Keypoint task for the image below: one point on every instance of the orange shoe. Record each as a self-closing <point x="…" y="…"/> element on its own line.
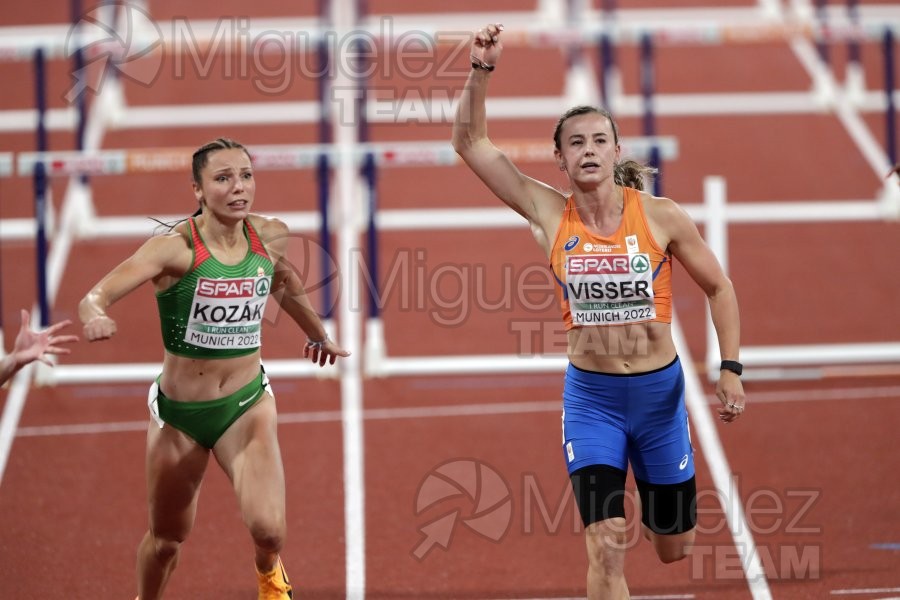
<point x="274" y="585"/>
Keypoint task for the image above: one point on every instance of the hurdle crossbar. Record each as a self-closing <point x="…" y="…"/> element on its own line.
<point x="417" y="108"/>
<point x="793" y="355"/>
<point x="303" y="156"/>
<point x="492" y="218"/>
<point x="73" y="374"/>
<point x="466" y="365"/>
<point x="280" y="157"/>
<point x="301" y="35"/>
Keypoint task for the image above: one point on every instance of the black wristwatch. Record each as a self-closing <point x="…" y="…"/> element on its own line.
<point x="733" y="366"/>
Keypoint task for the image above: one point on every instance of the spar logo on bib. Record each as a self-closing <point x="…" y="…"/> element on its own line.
<point x="595" y="265"/>
<point x="227" y="288"/>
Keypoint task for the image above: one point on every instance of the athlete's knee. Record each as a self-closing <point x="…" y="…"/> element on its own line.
<point x="606" y="544"/>
<point x="671" y="549"/>
<point x="671" y="555"/>
<point x="268" y="533"/>
<point x="166" y="547"/>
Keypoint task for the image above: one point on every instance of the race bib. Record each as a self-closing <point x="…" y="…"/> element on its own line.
<point x="227" y="313"/>
<point x="610" y="289"/>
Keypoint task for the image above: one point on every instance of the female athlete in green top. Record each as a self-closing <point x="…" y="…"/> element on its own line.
<point x="212" y="275"/>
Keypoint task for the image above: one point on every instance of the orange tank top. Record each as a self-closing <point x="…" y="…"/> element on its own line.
<point x="616" y="280"/>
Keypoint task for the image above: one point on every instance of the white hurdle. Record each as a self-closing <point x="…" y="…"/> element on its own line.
<point x="6" y="164"/>
<point x="762" y="362"/>
<point x="281" y="157"/>
<point x="87" y="225"/>
<point x="792" y="361"/>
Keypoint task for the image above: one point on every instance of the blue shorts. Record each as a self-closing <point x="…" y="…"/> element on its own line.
<point x="619" y="419"/>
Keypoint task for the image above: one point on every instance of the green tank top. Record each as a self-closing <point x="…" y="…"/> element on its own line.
<point x="216" y="310"/>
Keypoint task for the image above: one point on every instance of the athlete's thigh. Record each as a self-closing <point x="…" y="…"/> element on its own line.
<point x="249" y="454"/>
<point x="175" y="465"/>
<point x="659" y="448"/>
<point x="593" y="421"/>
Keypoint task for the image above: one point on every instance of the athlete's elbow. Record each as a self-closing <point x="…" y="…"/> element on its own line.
<point x="89" y="307"/>
<point x="461" y="143"/>
<point x="466" y="139"/>
<point x="721" y="288"/>
<point x="726" y="286"/>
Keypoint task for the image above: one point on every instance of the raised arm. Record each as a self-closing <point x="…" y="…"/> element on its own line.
<point x="159" y="256"/>
<point x="535" y="201"/>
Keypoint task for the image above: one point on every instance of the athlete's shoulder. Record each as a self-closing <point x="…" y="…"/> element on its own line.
<point x="660" y="207"/>
<point x="267" y="227"/>
<point x="168" y="251"/>
<point x="273" y="233"/>
<point x="668" y="221"/>
<point x="178" y="238"/>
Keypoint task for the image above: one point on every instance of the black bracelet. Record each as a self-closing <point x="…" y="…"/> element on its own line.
<point x="477" y="63"/>
<point x="733" y="366"/>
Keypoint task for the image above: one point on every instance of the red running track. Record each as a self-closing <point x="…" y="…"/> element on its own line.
<point x="815" y="461"/>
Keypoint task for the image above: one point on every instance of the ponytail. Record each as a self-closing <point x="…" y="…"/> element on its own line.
<point x="630" y="173"/>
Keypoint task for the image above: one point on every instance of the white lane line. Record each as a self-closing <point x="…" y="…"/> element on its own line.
<point x="652" y="597"/>
<point x="324" y="416"/>
<point x="15" y="401"/>
<point x="344" y="92"/>
<point x="729" y="495"/>
<point x="664" y="597"/>
<point x="459" y="410"/>
<point x="853" y="591"/>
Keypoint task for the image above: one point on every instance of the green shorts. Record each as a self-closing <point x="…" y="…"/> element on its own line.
<point x="206" y="421"/>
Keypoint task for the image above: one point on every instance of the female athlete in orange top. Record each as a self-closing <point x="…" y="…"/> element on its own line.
<point x="610" y="247"/>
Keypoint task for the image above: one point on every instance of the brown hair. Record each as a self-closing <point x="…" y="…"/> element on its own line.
<point x="199" y="160"/>
<point x="628" y="172"/>
<point x="201" y="155"/>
